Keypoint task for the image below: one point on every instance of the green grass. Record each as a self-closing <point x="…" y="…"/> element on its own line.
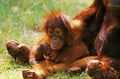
<point x="20" y="20"/>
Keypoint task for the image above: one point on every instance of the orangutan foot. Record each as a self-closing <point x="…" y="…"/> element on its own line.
<point x="30" y="74"/>
<point x="74" y="70"/>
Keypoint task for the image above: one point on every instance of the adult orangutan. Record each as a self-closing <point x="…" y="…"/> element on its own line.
<point x="65" y="39"/>
<point x="92" y="17"/>
<point x="107" y="43"/>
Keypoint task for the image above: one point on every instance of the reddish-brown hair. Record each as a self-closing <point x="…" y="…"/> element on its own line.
<point x="56" y="18"/>
<point x="96" y="9"/>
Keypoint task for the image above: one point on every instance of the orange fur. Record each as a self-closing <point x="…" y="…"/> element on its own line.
<point x="72" y="50"/>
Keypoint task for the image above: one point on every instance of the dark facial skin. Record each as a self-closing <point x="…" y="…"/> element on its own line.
<point x="56" y="38"/>
<point x="57" y="31"/>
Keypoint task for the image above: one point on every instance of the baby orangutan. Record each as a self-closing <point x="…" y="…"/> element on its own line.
<point x="21" y="52"/>
<point x="65" y="46"/>
<point x="44" y="52"/>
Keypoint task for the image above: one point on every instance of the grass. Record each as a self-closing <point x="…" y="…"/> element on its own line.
<point x="20" y="21"/>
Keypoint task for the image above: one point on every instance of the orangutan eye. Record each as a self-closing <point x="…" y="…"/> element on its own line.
<point x="50" y="32"/>
<point x="58" y="31"/>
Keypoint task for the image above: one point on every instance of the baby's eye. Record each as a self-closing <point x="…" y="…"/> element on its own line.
<point x="58" y="31"/>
